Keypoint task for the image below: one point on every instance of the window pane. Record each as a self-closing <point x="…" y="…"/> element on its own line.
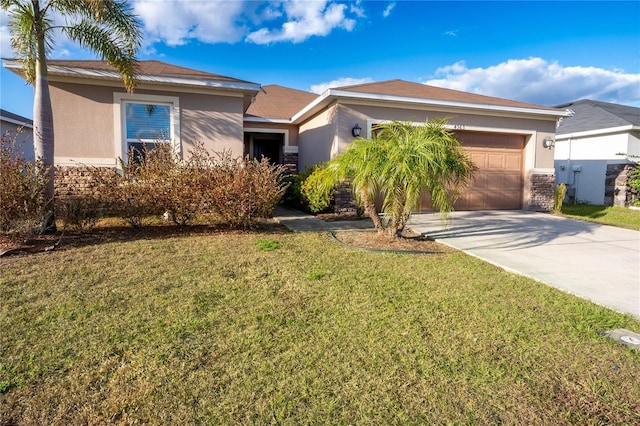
<point x="148" y="121"/>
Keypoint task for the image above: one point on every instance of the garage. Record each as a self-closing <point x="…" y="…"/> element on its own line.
<point x="498" y="182"/>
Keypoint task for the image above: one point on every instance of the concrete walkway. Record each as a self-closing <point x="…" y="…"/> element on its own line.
<point x="596" y="262"/>
<point x="298" y="221"/>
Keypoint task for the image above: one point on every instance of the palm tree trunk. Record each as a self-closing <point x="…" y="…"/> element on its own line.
<point x="370" y="210"/>
<point x="43" y="142"/>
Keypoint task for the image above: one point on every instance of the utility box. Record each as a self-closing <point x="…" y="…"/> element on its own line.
<point x="577" y="168"/>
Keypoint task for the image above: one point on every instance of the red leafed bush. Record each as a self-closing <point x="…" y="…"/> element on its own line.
<point x="22" y="186"/>
<point x="215" y="187"/>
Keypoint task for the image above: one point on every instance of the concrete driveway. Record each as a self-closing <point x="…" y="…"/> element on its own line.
<point x="596" y="262"/>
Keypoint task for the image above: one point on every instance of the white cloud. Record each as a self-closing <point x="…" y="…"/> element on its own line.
<point x="340" y="82"/>
<point x="451" y="33"/>
<point x="388" y="9"/>
<point x="5" y="36"/>
<point x="176" y="22"/>
<point x="357" y="10"/>
<point x="537" y="81"/>
<point x="305" y="19"/>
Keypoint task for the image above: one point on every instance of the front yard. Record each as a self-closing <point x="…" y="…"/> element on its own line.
<point x="241" y="328"/>
<point x="606" y="215"/>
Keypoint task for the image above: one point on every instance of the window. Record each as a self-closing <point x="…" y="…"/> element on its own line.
<point x="145" y="120"/>
<point x="146" y="125"/>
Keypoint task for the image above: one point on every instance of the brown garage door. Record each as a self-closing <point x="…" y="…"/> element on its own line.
<point x="498" y="182"/>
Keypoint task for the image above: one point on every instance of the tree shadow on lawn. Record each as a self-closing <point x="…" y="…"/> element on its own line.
<point x="103" y="234"/>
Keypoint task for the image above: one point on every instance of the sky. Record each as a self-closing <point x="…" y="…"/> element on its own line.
<point x="544" y="52"/>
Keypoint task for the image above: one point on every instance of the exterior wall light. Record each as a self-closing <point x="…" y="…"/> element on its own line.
<point x="548" y="142"/>
<point x="356" y="131"/>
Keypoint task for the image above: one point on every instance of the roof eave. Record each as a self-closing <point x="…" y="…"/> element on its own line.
<point x="267" y="120"/>
<point x="59" y="70"/>
<point x="597" y="132"/>
<point x="333" y="94"/>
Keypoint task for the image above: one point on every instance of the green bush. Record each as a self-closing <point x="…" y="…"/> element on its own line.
<point x="318" y="198"/>
<point x="561" y="190"/>
<point x="22" y="202"/>
<point x="293" y="195"/>
<point x="634" y="184"/>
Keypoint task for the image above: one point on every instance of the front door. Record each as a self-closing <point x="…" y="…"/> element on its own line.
<point x="268" y="148"/>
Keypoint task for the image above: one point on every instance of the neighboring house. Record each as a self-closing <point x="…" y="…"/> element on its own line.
<point x="14" y="125"/>
<point x="594" y="151"/>
<point x="95" y="122"/>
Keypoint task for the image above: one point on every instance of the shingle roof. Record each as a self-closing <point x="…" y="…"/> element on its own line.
<point x="596" y="115"/>
<point x="423" y="91"/>
<point x="279" y="102"/>
<point x="152" y="67"/>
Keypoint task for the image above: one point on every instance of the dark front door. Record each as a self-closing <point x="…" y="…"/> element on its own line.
<point x="268" y="148"/>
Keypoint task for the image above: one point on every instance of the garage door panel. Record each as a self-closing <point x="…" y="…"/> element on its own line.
<point x="513" y="162"/>
<point x="479" y="180"/>
<point x="479" y="159"/>
<point x="511" y="181"/>
<point x="495" y="161"/>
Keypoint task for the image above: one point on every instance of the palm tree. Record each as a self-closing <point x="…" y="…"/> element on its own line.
<point x="108" y="28"/>
<point x="401" y="162"/>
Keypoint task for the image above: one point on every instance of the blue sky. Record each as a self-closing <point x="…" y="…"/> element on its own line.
<point x="544" y="52"/>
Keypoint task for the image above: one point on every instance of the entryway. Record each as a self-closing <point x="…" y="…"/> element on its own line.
<point x="268" y="145"/>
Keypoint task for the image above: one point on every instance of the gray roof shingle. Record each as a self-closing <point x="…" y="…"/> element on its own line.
<point x="596" y="115"/>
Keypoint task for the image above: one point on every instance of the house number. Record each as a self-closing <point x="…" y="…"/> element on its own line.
<point x="458" y="127"/>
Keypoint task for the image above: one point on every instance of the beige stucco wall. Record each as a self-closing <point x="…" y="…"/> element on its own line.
<point x="213" y="120"/>
<point x="84" y="122"/>
<point x="319" y="138"/>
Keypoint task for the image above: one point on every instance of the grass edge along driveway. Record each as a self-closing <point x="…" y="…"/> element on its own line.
<point x="226" y="329"/>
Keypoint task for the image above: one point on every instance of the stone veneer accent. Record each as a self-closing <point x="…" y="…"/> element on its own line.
<point x="617" y="191"/>
<point x="344" y="202"/>
<point x="542" y="191"/>
<point x="75" y="181"/>
<point x="290" y="161"/>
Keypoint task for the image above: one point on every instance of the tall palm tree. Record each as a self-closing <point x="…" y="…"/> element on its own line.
<point x="106" y="27"/>
<point x="401" y="162"/>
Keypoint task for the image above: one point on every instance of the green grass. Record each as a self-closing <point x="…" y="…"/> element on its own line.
<point x="212" y="329"/>
<point x="607" y="215"/>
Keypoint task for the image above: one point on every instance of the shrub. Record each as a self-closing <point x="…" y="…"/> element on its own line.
<point x="293" y="195"/>
<point x="241" y="190"/>
<point x="154" y="181"/>
<point x="22" y="202"/>
<point x="317" y="197"/>
<point x="634" y="184"/>
<point x="561" y="190"/>
<point x="126" y="195"/>
<point x="79" y="212"/>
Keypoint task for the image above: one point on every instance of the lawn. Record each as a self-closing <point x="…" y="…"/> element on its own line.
<point x="278" y="328"/>
<point x="607" y="215"/>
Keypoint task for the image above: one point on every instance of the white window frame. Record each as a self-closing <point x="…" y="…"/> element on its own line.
<point x="120" y="125"/>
